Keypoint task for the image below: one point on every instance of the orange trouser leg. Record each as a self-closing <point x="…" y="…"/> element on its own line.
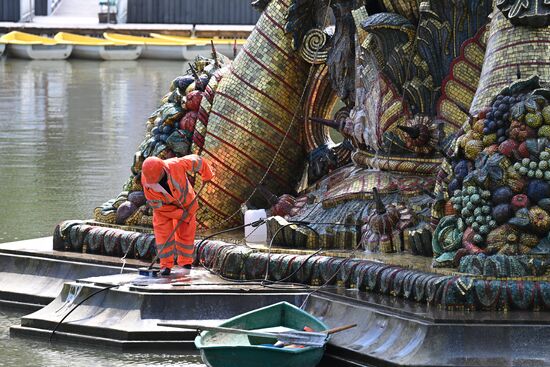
<point x="163" y="227"/>
<point x="185" y="238"/>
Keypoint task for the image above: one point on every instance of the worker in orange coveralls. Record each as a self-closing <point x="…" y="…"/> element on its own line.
<point x="171" y="196"/>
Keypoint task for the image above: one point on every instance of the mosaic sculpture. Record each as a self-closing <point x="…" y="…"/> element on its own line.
<point x="442" y="111"/>
<point x="244" y="122"/>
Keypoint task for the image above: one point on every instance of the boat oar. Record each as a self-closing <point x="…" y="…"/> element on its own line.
<point x="313" y="339"/>
<point x="338" y="329"/>
<point x="290" y="337"/>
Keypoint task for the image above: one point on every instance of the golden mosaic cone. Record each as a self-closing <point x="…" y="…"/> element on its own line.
<point x="254" y="105"/>
<point x="509" y="48"/>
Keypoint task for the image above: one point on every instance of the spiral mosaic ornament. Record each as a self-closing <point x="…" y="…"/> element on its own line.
<point x="313" y="47"/>
<point x="527" y="13"/>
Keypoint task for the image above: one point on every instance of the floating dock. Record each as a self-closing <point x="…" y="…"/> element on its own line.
<point x="391" y="331"/>
<point x="186" y="30"/>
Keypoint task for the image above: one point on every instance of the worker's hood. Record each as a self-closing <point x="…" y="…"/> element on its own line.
<point x="152" y="169"/>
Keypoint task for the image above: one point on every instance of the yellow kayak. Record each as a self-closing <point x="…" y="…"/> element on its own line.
<point x="77" y="39"/>
<point x="137" y="40"/>
<point x="30" y="46"/>
<point x="198" y="40"/>
<point x="156" y="48"/>
<point x="152" y="48"/>
<point x="22" y="38"/>
<point x="201" y="46"/>
<point x="86" y="47"/>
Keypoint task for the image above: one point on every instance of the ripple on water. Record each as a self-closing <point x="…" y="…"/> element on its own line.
<point x="68" y="133"/>
<point x="26" y="352"/>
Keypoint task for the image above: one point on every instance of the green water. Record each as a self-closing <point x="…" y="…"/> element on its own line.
<point x="26" y="352"/>
<point x="68" y="132"/>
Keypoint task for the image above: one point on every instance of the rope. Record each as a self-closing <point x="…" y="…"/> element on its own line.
<point x="78" y="304"/>
<point x="123" y="258"/>
<point x="273" y="238"/>
<point x="350" y="257"/>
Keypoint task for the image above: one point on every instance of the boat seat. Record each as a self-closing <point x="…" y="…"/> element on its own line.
<point x="258" y="340"/>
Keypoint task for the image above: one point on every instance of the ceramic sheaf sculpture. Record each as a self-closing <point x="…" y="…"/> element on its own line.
<point x="444" y="112"/>
<point x="503" y="150"/>
<point x="440" y="112"/>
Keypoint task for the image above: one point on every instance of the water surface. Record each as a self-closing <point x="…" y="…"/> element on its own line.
<point x="68" y="132"/>
<point x="27" y="352"/>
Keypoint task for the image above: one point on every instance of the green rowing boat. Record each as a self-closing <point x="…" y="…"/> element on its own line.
<point x="233" y="350"/>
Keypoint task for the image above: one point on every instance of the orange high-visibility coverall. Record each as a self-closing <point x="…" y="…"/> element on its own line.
<point x="168" y="209"/>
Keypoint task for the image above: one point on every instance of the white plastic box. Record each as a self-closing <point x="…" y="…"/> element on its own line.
<point x="255" y="234"/>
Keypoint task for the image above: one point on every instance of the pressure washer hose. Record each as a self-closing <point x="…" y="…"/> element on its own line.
<point x="78" y="304"/>
<point x="256" y="223"/>
<point x="260" y="282"/>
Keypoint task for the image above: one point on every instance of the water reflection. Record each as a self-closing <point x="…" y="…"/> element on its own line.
<point x="68" y="132"/>
<point x="27" y="352"/>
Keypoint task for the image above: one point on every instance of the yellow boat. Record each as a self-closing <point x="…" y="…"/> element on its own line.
<point x="29" y="46"/>
<point x="198" y="40"/>
<point x="85" y="47"/>
<point x="152" y="48"/>
<point x="224" y="46"/>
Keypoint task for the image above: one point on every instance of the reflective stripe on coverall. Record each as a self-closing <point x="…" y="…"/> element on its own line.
<point x="168" y="208"/>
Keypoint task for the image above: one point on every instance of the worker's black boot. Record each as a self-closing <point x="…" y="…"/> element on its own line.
<point x="165" y="272"/>
<point x="186" y="269"/>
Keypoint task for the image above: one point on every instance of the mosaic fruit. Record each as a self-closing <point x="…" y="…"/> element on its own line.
<point x="520" y="201"/>
<point x="533" y="120"/>
<point x="508" y="147"/>
<point x="502" y="212"/>
<point x="538" y="190"/>
<point x="502" y="195"/>
<point x="546" y="114"/>
<point x="544" y="131"/>
<point x="193" y="101"/>
<point x="472" y="149"/>
<point x="124" y="211"/>
<point x="540" y="220"/>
